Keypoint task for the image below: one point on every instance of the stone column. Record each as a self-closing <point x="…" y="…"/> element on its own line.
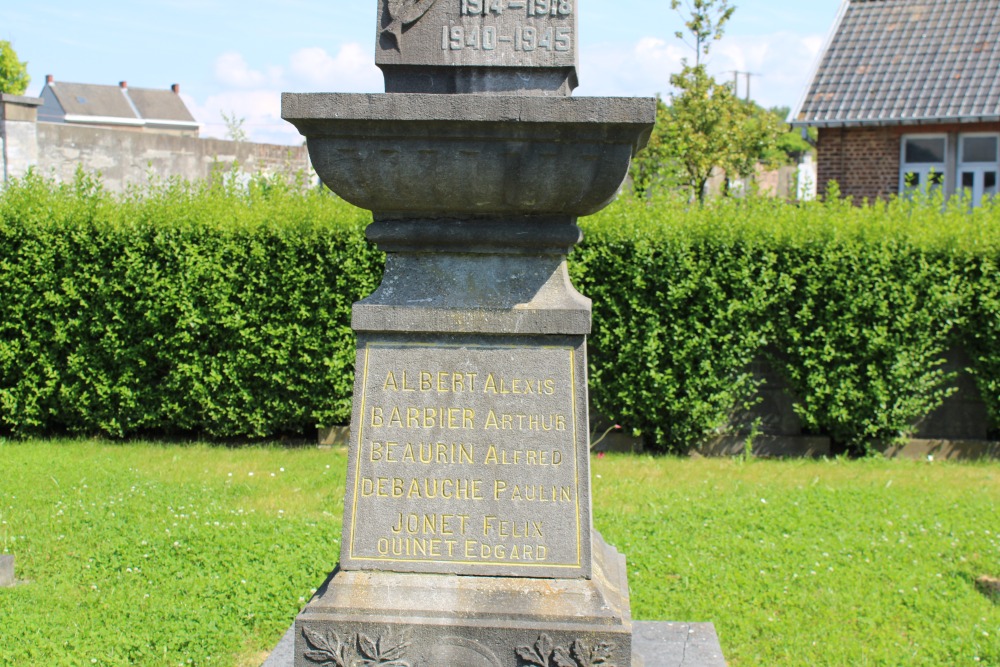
<point x="18" y="134"/>
<point x="467" y="537"/>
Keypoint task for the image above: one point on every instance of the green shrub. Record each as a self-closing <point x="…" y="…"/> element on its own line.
<point x="854" y="305"/>
<point x="206" y="308"/>
<point x="681" y="308"/>
<point x="224" y="310"/>
<point x="874" y="308"/>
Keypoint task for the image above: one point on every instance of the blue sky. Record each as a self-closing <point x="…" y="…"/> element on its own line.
<point x="237" y="57"/>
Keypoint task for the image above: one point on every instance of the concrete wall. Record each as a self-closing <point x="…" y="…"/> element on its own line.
<point x="18" y="139"/>
<point x="127" y="156"/>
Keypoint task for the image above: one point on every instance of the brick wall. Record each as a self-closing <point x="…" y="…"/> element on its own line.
<point x="863" y="160"/>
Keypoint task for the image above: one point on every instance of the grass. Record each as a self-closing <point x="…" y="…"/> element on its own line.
<point x="812" y="563"/>
<point x="175" y="555"/>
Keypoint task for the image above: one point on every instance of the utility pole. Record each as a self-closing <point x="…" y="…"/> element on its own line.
<point x="736" y="82"/>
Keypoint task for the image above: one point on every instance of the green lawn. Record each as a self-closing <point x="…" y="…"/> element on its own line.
<point x="176" y="555"/>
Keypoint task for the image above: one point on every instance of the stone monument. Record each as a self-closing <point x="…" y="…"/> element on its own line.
<point x="467" y="537"/>
<point x="6" y="571"/>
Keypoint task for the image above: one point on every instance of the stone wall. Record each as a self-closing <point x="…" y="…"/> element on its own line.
<point x="123" y="156"/>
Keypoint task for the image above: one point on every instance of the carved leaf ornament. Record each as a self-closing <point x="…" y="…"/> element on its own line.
<point x="580" y="654"/>
<point x="358" y="651"/>
<point x="403" y="13"/>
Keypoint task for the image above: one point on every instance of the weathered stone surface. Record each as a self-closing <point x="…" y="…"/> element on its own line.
<point x="468" y="156"/>
<point x="470" y="456"/>
<point x="963" y="414"/>
<point x="665" y="644"/>
<point x="467" y="537"/>
<point x="768" y="446"/>
<point x="943" y="450"/>
<point x="468" y="621"/>
<point x="6" y="571"/>
<point x="481" y="46"/>
<point x="654" y="644"/>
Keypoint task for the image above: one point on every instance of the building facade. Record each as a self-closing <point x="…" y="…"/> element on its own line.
<point x="906" y="96"/>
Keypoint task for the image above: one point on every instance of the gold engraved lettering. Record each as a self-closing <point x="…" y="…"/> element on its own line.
<point x="539" y="493"/>
<point x="382" y="487"/>
<point x="439" y="381"/>
<point x="424" y="452"/>
<point x="474" y="550"/>
<point x="447" y="489"/>
<point x="390" y="382"/>
<point x="521" y="528"/>
<point x="534" y="457"/>
<point x="430" y="524"/>
<point x="405" y="386"/>
<point x="413" y="417"/>
<point x="384" y="451"/>
<point x="410" y="547"/>
<point x="505" y="421"/>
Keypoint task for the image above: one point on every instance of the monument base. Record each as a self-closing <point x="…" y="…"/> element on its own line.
<point x="438" y="620"/>
<point x="654" y="644"/>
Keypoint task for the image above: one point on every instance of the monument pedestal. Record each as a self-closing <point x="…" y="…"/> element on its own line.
<point x="467" y="536"/>
<point x="436" y="620"/>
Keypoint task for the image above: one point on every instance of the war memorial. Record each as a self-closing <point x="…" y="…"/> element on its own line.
<point x="467" y="535"/>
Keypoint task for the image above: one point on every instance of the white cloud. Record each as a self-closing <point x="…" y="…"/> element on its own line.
<point x="351" y="70"/>
<point x="232" y="70"/>
<point x="259" y="109"/>
<point x="255" y="94"/>
<point x="780" y="63"/>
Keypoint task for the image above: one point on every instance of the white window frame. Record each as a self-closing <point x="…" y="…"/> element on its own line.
<point x="924" y="169"/>
<point x="979" y="169"/>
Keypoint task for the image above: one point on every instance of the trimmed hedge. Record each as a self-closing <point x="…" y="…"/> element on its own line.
<point x="202" y="308"/>
<point x="224" y="311"/>
<point x="854" y="306"/>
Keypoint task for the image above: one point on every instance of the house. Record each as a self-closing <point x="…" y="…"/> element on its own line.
<point x="120" y="107"/>
<point x="906" y="94"/>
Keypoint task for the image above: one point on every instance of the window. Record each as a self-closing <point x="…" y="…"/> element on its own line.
<point x="978" y="164"/>
<point x="924" y="162"/>
<point x="966" y="164"/>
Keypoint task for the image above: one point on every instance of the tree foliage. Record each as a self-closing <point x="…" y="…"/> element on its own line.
<point x="234" y="126"/>
<point x="655" y="166"/>
<point x="706" y="23"/>
<point x="706" y="126"/>
<point x="790" y="145"/>
<point x="14" y="77"/>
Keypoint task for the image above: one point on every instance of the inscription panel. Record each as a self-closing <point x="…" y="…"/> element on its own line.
<point x="499" y="33"/>
<point x="468" y="459"/>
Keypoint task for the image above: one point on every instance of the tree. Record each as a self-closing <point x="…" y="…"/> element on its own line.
<point x="654" y="165"/>
<point x="791" y="145"/>
<point x="234" y="127"/>
<point x="706" y="127"/>
<point x="14" y="77"/>
<point x="755" y="141"/>
<point x="706" y="23"/>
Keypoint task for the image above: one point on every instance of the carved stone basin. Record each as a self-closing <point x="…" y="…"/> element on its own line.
<point x="469" y="156"/>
